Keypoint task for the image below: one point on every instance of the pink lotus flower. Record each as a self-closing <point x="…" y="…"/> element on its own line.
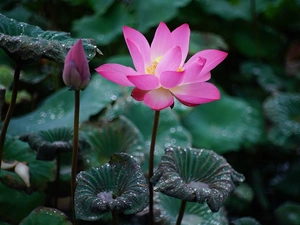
<point x="76" y="73"/>
<point x="161" y="72"/>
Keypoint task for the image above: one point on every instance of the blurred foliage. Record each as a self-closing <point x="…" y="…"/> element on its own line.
<point x="254" y="125"/>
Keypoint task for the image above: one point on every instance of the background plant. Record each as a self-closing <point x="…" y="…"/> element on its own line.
<point x="254" y="125"/>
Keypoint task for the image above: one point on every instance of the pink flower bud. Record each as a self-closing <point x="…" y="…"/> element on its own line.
<point x="76" y="73"/>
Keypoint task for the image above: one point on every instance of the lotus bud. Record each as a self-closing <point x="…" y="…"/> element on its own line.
<point x="76" y="73"/>
<point x="23" y="171"/>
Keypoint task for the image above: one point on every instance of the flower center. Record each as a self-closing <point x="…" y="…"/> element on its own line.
<point x="152" y="67"/>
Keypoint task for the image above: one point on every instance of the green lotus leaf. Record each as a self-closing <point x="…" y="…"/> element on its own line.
<point x="240" y="198"/>
<point x="194" y="213"/>
<point x="246" y="221"/>
<point x="58" y="109"/>
<point x="49" y="143"/>
<point x="26" y="43"/>
<point x="44" y="215"/>
<point x="225" y="125"/>
<point x="170" y="130"/>
<point x="15" y="205"/>
<point x="40" y="172"/>
<point x="283" y="110"/>
<point x="289" y="183"/>
<point x="196" y="175"/>
<point x="119" y="185"/>
<point x="288" y="213"/>
<point x="109" y="137"/>
<point x="201" y="41"/>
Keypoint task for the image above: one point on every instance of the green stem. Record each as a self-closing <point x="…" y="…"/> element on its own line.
<point x="114" y="217"/>
<point x="151" y="165"/>
<point x="10" y="109"/>
<point x="75" y="151"/>
<point x="57" y="180"/>
<point x="181" y="212"/>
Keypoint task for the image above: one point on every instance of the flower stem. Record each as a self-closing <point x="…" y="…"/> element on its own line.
<point x="114" y="217"/>
<point x="10" y="109"/>
<point x="181" y="212"/>
<point x="57" y="180"/>
<point x="75" y="152"/>
<point x="151" y="165"/>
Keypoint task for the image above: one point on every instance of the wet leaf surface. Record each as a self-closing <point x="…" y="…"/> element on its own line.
<point x="119" y="186"/>
<point x="196" y="175"/>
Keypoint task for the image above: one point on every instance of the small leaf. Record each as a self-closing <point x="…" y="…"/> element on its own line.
<point x="288" y="213"/>
<point x="44" y="215"/>
<point x="49" y="143"/>
<point x="196" y="175"/>
<point x="27" y="43"/>
<point x="246" y="221"/>
<point x="109" y="137"/>
<point x="117" y="186"/>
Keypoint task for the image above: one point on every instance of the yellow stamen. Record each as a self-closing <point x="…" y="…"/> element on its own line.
<point x="152" y="67"/>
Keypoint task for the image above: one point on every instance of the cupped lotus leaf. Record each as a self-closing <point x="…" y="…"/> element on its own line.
<point x="109" y="137"/>
<point x="119" y="185"/>
<point x="41" y="172"/>
<point x="48" y="143"/>
<point x="194" y="214"/>
<point x="288" y="213"/>
<point x="26" y="43"/>
<point x="196" y="175"/>
<point x="45" y="215"/>
<point x="226" y="125"/>
<point x="283" y="110"/>
<point x="246" y="221"/>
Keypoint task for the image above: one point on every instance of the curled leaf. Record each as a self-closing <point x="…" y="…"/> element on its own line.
<point x="23" y="171"/>
<point x="196" y="175"/>
<point x="119" y="186"/>
<point x="48" y="143"/>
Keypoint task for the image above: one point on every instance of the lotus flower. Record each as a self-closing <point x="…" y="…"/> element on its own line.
<point x="76" y="74"/>
<point x="161" y="72"/>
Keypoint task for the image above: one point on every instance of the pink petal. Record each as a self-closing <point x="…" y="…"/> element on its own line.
<point x="77" y="54"/>
<point x="170" y="61"/>
<point x="116" y="73"/>
<point x="136" y="56"/>
<point x="144" y="82"/>
<point x="181" y="38"/>
<point x="196" y="93"/>
<point x="161" y="42"/>
<point x="213" y="58"/>
<point x="140" y="41"/>
<point x="138" y="94"/>
<point x="192" y="72"/>
<point x="170" y="79"/>
<point x="158" y="99"/>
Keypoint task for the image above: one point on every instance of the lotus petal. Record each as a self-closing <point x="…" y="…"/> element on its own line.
<point x="196" y="175"/>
